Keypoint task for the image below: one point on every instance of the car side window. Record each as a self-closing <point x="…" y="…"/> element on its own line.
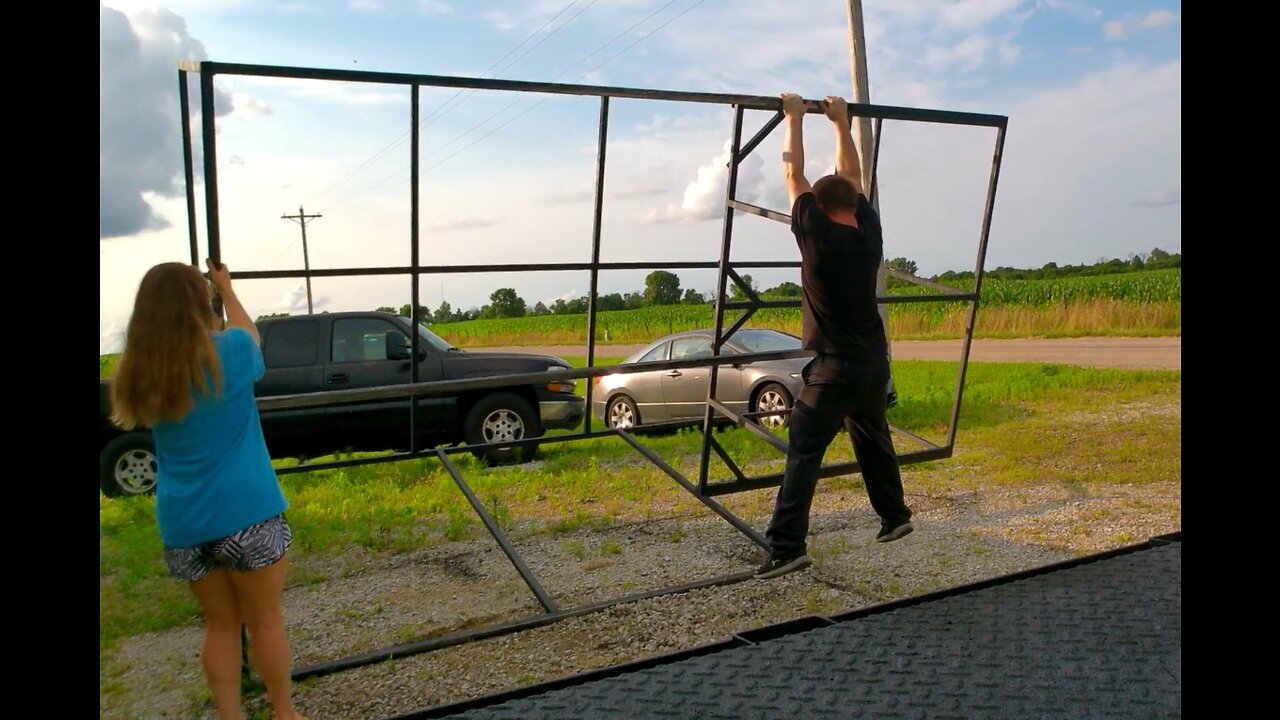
<point x="291" y="344"/>
<point x="691" y="348"/>
<point x="657" y="354"/>
<point x="360" y="340"/>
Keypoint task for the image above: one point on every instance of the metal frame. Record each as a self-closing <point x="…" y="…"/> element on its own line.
<point x="703" y="489"/>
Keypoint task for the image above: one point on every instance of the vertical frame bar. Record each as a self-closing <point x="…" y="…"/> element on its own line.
<point x="209" y="144"/>
<point x="977" y="285"/>
<point x="414" y="250"/>
<point x="595" y="257"/>
<point x="875" y="162"/>
<point x="725" y="245"/>
<point x="188" y="163"/>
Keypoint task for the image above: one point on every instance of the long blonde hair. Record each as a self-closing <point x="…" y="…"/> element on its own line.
<point x="168" y="350"/>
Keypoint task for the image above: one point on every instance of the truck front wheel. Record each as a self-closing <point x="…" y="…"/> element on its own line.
<point x="499" y="418"/>
<point x="128" y="465"/>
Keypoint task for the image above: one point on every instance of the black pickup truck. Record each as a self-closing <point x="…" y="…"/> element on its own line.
<point x="348" y="350"/>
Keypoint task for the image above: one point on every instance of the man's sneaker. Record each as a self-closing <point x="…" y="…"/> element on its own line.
<point x="775" y="566"/>
<point x="889" y="533"/>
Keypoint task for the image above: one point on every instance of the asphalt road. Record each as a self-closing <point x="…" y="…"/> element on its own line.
<point x="1157" y="353"/>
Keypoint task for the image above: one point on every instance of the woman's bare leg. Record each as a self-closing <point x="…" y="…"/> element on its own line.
<point x="221" y="651"/>
<point x="261" y="597"/>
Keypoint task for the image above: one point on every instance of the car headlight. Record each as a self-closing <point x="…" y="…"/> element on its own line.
<point x="561" y="386"/>
<point x="795" y="375"/>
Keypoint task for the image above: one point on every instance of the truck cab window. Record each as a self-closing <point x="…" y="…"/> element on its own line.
<point x="292" y="344"/>
<point x="360" y="339"/>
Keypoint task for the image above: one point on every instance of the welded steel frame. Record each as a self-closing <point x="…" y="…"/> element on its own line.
<point x="702" y="489"/>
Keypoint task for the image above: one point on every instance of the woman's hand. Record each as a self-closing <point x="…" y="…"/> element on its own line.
<point x="219" y="275"/>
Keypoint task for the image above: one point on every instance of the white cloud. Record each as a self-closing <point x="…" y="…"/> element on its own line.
<point x="435" y="6"/>
<point x="1159" y="18"/>
<point x="1132" y="24"/>
<point x="969" y="14"/>
<point x="499" y="20"/>
<point x="112" y="339"/>
<point x="140" y="145"/>
<point x="249" y="106"/>
<point x="704" y="196"/>
<point x="294" y="301"/>
<point x="1114" y="30"/>
<point x="1079" y="9"/>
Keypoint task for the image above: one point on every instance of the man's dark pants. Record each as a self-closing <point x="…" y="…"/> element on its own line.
<point x="839" y="390"/>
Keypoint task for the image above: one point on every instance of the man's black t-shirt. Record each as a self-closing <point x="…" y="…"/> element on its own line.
<point x="838" y="271"/>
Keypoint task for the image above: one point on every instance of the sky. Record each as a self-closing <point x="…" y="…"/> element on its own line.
<point x="1091" y="170"/>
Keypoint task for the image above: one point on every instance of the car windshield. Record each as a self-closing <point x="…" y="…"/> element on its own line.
<point x="755" y="341"/>
<point x="433" y="339"/>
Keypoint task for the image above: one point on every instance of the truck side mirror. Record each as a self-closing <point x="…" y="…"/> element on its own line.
<point x="398" y="347"/>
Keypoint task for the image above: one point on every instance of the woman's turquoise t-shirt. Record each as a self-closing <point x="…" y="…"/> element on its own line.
<point x="215" y="475"/>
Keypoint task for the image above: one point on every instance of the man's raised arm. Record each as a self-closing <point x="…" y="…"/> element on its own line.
<point x="847" y="164"/>
<point x="793" y="147"/>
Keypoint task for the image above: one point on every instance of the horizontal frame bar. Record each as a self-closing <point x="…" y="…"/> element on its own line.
<point x="747" y="102"/>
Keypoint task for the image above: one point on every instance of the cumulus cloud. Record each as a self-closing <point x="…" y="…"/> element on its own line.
<point x="295" y="301"/>
<point x="140" y="144"/>
<point x="704" y="195"/>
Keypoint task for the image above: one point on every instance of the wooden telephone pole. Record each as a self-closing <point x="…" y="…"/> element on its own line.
<point x="862" y="134"/>
<point x="301" y="218"/>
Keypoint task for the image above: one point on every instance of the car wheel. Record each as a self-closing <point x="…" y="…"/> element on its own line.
<point x="128" y="465"/>
<point x="772" y="398"/>
<point x="498" y="418"/>
<point x="622" y="413"/>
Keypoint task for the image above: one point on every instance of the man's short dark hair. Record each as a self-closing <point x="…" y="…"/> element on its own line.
<point x="835" y="193"/>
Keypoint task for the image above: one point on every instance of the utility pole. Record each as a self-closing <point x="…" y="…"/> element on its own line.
<point x="301" y="218"/>
<point x="862" y="136"/>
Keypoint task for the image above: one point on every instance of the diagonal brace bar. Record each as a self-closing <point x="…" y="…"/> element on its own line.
<point x="501" y="537"/>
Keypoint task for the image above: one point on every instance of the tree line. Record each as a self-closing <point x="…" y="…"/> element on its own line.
<point x="663" y="288"/>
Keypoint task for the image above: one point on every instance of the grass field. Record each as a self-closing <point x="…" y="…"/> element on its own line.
<point x="1012" y="425"/>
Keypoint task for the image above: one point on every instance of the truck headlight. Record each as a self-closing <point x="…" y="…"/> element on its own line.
<point x="566" y="385"/>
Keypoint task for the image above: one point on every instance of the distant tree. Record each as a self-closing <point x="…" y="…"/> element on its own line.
<point x="387" y="309"/>
<point x="505" y="303"/>
<point x="612" y="301"/>
<point x="444" y="313"/>
<point x="541" y="309"/>
<point x="736" y="294"/>
<point x="901" y="265"/>
<point x="264" y="317"/>
<point x="633" y="301"/>
<point x="786" y="289"/>
<point x="577" y="306"/>
<point x="693" y="297"/>
<point x="424" y="312"/>
<point x="560" y="307"/>
<point x="661" y="288"/>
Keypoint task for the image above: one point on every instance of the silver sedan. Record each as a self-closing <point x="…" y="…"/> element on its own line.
<point x="628" y="400"/>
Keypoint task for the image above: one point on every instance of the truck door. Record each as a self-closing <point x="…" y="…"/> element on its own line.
<point x="358" y="359"/>
<point x="291" y="353"/>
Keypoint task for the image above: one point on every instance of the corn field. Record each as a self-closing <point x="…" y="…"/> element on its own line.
<point x="1142" y="303"/>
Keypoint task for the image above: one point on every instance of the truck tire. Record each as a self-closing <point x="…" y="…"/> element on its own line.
<point x="502" y="417"/>
<point x="128" y="465"/>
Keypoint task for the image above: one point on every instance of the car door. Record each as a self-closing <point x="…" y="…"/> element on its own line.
<point x="358" y="359"/>
<point x="646" y="387"/>
<point x="685" y="390"/>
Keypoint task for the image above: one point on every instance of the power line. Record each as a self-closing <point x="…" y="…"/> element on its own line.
<point x="441" y="111"/>
<point x="512" y="119"/>
<point x="583" y="75"/>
